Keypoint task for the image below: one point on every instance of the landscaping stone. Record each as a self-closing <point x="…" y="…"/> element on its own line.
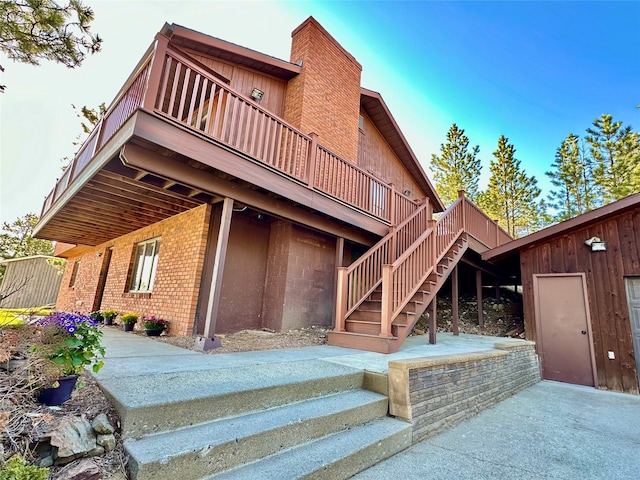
<point x="83" y="470"/>
<point x="101" y="425"/>
<point x="73" y="438"/>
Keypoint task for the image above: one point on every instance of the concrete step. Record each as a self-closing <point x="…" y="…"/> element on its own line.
<point x="194" y="397"/>
<point x="194" y="452"/>
<point x="336" y="457"/>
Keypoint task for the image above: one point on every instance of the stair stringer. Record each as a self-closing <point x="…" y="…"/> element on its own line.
<point x="435" y="281"/>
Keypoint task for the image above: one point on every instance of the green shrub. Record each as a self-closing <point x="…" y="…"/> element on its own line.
<point x="16" y="469"/>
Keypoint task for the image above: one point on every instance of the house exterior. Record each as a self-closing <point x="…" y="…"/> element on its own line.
<point x="582" y="296"/>
<point x="225" y="189"/>
<point x="29" y="282"/>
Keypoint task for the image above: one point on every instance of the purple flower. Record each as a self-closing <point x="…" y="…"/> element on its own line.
<point x="71" y="329"/>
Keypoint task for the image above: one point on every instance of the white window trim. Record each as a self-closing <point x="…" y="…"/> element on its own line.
<point x="148" y="268"/>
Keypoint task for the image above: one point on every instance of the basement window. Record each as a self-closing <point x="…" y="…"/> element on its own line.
<point x="145" y="263"/>
<point x="74" y="275"/>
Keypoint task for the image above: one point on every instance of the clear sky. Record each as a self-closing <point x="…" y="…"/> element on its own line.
<point x="533" y="71"/>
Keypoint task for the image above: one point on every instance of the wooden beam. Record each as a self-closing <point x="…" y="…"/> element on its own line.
<point x="179" y="139"/>
<point x="479" y="298"/>
<point x="206" y="181"/>
<point x="433" y="320"/>
<point x="454" y="301"/>
<point x="218" y="268"/>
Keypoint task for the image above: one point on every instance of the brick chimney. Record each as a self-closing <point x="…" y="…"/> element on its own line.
<point x="325" y="97"/>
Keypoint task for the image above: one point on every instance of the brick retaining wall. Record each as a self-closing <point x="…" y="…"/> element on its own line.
<point x="436" y="393"/>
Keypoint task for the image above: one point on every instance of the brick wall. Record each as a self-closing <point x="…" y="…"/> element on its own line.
<point x="436" y="393"/>
<point x="175" y="290"/>
<point x="300" y="278"/>
<point x="325" y="97"/>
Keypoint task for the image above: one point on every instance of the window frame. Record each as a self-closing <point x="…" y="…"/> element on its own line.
<point x="144" y="266"/>
<point x="74" y="274"/>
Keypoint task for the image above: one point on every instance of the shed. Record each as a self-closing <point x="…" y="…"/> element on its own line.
<point x="581" y="294"/>
<point x="29" y="282"/>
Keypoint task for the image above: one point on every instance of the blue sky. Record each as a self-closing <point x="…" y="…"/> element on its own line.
<point x="533" y="71"/>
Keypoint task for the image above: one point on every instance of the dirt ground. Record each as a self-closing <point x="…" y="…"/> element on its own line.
<point x="500" y="318"/>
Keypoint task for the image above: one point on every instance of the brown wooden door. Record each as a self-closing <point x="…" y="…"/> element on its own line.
<point x="564" y="331"/>
<point x="633" y="297"/>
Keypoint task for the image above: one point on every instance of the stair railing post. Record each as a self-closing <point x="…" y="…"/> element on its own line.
<point x="392" y="204"/>
<point x="434" y="236"/>
<point x="341" y="299"/>
<point x="462" y="204"/>
<point x="311" y="165"/>
<point x="387" y="299"/>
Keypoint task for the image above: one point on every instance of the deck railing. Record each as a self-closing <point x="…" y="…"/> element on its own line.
<point x="187" y="92"/>
<point x="418" y="254"/>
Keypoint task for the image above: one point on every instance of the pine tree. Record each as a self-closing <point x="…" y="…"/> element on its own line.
<point x="456" y="168"/>
<point x="512" y="196"/>
<point x="616" y="153"/>
<point x="572" y="175"/>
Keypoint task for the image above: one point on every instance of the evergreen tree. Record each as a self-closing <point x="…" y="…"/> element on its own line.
<point x="456" y="168"/>
<point x="36" y="30"/>
<point x="572" y="175"/>
<point x="616" y="153"/>
<point x="512" y="196"/>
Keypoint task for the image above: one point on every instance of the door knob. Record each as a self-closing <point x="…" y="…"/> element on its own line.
<point x="584" y="332"/>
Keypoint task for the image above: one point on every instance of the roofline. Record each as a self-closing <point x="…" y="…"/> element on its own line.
<point x="11" y="260"/>
<point x="287" y="69"/>
<point x="571" y="224"/>
<point x="439" y="206"/>
<point x="330" y="37"/>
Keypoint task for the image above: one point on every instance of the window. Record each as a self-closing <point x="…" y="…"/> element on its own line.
<point x="145" y="263"/>
<point x="74" y="274"/>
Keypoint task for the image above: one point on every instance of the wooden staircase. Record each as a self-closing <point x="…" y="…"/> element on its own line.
<point x="381" y="296"/>
<point x="363" y="326"/>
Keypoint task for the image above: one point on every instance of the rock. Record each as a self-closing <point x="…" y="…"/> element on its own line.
<point x="45" y="461"/>
<point x="418" y="331"/>
<point x="107" y="441"/>
<point x="101" y="425"/>
<point x="82" y="470"/>
<point x="73" y="437"/>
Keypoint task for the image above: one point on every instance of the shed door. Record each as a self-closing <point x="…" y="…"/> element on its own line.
<point x="633" y="297"/>
<point x="564" y="331"/>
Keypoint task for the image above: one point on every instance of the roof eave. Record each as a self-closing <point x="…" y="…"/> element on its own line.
<point x="408" y="155"/>
<point x="572" y="224"/>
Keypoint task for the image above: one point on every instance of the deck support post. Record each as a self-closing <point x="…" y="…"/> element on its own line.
<point x="433" y="321"/>
<point x="218" y="268"/>
<point x="338" y="264"/>
<point x="454" y="301"/>
<point x="479" y="298"/>
<point x="341" y="299"/>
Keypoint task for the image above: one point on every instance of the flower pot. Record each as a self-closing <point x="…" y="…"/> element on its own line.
<point x="128" y="327"/>
<point x="153" y="332"/>
<point x="59" y="394"/>
<point x="108" y="321"/>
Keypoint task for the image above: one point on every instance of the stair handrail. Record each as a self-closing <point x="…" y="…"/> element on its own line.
<point x="402" y="278"/>
<point x="357" y="281"/>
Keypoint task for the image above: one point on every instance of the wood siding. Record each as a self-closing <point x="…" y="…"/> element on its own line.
<point x="244" y="80"/>
<point x="376" y="156"/>
<point x="41" y="283"/>
<point x="605" y="272"/>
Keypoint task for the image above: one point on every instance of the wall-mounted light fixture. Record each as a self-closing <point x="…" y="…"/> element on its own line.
<point x="406" y="193"/>
<point x="257" y="94"/>
<point x="596" y="244"/>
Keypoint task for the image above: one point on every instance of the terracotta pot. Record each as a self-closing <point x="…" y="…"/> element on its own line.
<point x="153" y="332"/>
<point x="128" y="327"/>
<point x="59" y="394"/>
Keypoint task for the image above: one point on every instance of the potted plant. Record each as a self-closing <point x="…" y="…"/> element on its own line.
<point x="129" y="320"/>
<point x="71" y="342"/>
<point x="97" y="316"/>
<point x="154" y="326"/>
<point x="109" y="316"/>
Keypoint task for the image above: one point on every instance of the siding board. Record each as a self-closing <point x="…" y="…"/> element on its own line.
<point x="41" y="287"/>
<point x="605" y="272"/>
